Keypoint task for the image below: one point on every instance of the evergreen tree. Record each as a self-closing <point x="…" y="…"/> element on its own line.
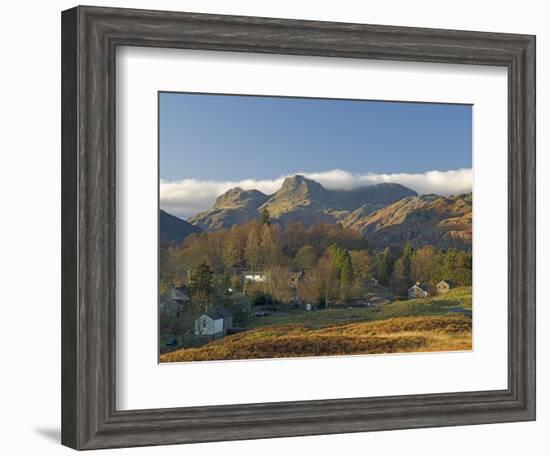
<point x="225" y="283"/>
<point x="201" y="284"/>
<point x="385" y="267"/>
<point x="264" y="217"/>
<point x="450" y="264"/>
<point x="401" y="278"/>
<point x="341" y="261"/>
<point x="237" y="283"/>
<point x="407" y="261"/>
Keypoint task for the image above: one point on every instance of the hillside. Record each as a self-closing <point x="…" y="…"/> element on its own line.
<point x="174" y="230"/>
<point x="394" y="335"/>
<point x="421" y="220"/>
<point x="437" y="323"/>
<point x="299" y="199"/>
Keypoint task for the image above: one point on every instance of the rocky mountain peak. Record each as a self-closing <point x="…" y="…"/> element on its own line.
<point x="237" y="197"/>
<point x="302" y="186"/>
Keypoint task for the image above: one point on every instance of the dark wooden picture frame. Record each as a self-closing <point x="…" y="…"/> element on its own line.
<point x="90" y="36"/>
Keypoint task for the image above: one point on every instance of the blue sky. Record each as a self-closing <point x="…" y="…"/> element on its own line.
<point x="210" y="143"/>
<point x="236" y="137"/>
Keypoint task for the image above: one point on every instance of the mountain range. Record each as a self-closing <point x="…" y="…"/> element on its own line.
<point x="298" y="200"/>
<point x="386" y="214"/>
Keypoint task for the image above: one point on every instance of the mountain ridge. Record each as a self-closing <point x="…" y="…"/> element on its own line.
<point x="422" y="220"/>
<point x="298" y="199"/>
<point x="173" y="230"/>
<point x="385" y="214"/>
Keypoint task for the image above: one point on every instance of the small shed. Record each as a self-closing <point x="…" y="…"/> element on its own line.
<point x="308" y="307"/>
<point x="419" y="290"/>
<point x="445" y="286"/>
<point x="214" y="323"/>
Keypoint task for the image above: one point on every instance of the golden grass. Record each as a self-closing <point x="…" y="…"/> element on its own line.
<point x="394" y="335"/>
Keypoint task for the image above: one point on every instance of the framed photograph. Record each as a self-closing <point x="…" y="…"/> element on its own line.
<point x="279" y="228"/>
<point x="259" y="259"/>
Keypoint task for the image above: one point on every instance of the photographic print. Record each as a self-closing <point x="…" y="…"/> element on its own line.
<point x="300" y="227"/>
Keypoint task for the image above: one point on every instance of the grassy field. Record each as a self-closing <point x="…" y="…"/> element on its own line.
<point x="419" y="325"/>
<point x="460" y="298"/>
<point x="394" y="335"/>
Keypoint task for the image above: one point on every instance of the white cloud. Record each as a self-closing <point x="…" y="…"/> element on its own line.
<point x="187" y="197"/>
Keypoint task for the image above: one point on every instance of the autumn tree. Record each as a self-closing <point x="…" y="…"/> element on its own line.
<point x="310" y="287"/>
<point x="270" y="245"/>
<point x="232" y="254"/>
<point x="327" y="279"/>
<point x="252" y="250"/>
<point x="362" y="263"/>
<point x="427" y="265"/>
<point x="294" y="237"/>
<point x="306" y="258"/>
<point x="321" y="235"/>
<point x="279" y="286"/>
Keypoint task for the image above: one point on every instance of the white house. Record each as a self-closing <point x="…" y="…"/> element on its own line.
<point x="214" y="323"/>
<point x="255" y="277"/>
<point x="419" y="290"/>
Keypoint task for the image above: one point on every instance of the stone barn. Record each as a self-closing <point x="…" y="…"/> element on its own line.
<point x="445" y="286"/>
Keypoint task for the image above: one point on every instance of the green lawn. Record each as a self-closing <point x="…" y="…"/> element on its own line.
<point x="437" y="305"/>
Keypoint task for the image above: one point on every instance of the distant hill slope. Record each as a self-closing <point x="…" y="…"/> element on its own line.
<point x="299" y="199"/>
<point x="422" y="220"/>
<point x="174" y="230"/>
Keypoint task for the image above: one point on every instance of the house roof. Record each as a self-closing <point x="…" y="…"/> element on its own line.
<point x="167" y="301"/>
<point x="179" y="293"/>
<point x="423" y="286"/>
<point x="218" y="312"/>
<point x="448" y="282"/>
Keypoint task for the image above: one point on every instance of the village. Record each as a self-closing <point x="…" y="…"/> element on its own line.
<point x="228" y="284"/>
<point x="238" y="311"/>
